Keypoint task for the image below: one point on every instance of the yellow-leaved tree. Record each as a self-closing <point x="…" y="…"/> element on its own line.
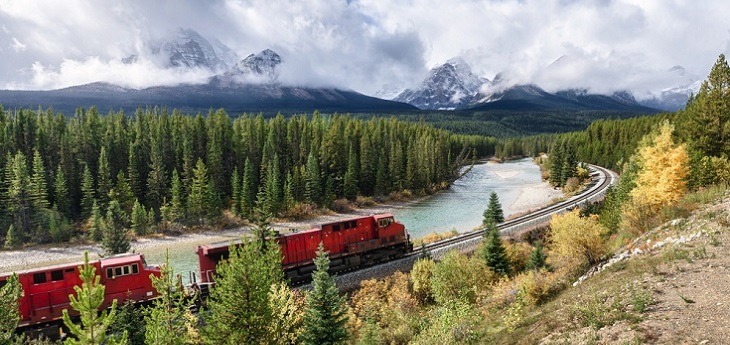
<point x="576" y="240"/>
<point x="661" y="179"/>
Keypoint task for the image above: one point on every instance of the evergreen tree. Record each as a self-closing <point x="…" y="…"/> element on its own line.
<point x="198" y="193"/>
<point x="87" y="301"/>
<point x="10" y="294"/>
<point x="61" y="197"/>
<point x="289" y="200"/>
<point x="493" y="251"/>
<point x="129" y="320"/>
<point x="325" y="314"/>
<point x="537" y="258"/>
<point x="169" y="320"/>
<point x="556" y="162"/>
<point x="122" y="193"/>
<point x="177" y="206"/>
<point x="313" y="184"/>
<point x="139" y="219"/>
<point x="115" y="234"/>
<point x="240" y="312"/>
<point x="13" y="237"/>
<point x="96" y="226"/>
<point x="135" y="182"/>
<point x="19" y="196"/>
<point x="156" y="180"/>
<point x="236" y="192"/>
<point x="493" y="213"/>
<point x="272" y="194"/>
<point x="38" y="186"/>
<point x="104" y="176"/>
<point x="248" y="189"/>
<point x="87" y="192"/>
<point x="329" y="192"/>
<point x="350" y="183"/>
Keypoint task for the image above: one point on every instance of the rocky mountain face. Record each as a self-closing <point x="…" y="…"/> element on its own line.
<point x="261" y="68"/>
<point x="448" y="86"/>
<point x="675" y="98"/>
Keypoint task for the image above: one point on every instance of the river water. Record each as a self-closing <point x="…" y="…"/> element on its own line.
<point x="460" y="207"/>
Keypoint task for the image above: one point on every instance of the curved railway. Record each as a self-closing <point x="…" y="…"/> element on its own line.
<point x="601" y="177"/>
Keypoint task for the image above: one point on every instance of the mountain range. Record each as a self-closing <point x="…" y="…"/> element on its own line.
<point x="252" y="85"/>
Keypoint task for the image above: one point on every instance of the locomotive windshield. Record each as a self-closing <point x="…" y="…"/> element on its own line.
<point x="385" y="222"/>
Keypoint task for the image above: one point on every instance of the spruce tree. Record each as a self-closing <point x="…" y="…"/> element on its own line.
<point x="87" y="301"/>
<point x="313" y="184"/>
<point x="135" y="182"/>
<point x="537" y="258"/>
<point x="122" y="193"/>
<point x="104" y="176"/>
<point x="493" y="213"/>
<point x="129" y="320"/>
<point x="38" y="186"/>
<point x="239" y="309"/>
<point x="87" y="192"/>
<point x="350" y="184"/>
<point x="493" y="251"/>
<point x="235" y="192"/>
<point x="96" y="226"/>
<point x="61" y="197"/>
<point x="248" y="189"/>
<point x="156" y="180"/>
<point x="288" y="200"/>
<point x="198" y="193"/>
<point x="10" y="294"/>
<point x="139" y="219"/>
<point x="13" y="237"/>
<point x="177" y="206"/>
<point x="556" y="162"/>
<point x="19" y="196"/>
<point x="115" y="234"/>
<point x="325" y="314"/>
<point x="169" y="320"/>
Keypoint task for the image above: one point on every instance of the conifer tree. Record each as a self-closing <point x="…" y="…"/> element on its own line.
<point x="129" y="319"/>
<point x="10" y="294"/>
<point x="177" y="206"/>
<point x="87" y="301"/>
<point x="19" y="196"/>
<point x="248" y="189"/>
<point x="122" y="193"/>
<point x="493" y="213"/>
<point x="198" y="193"/>
<point x="104" y="175"/>
<point x="556" y="161"/>
<point x="313" y="184"/>
<point x="329" y="192"/>
<point x="236" y="192"/>
<point x="271" y="198"/>
<point x="156" y="179"/>
<point x="240" y="312"/>
<point x="61" y="198"/>
<point x="135" y="183"/>
<point x="38" y="186"/>
<point x="169" y="320"/>
<point x="537" y="258"/>
<point x="493" y="251"/>
<point x="96" y="226"/>
<point x="325" y="314"/>
<point x="87" y="192"/>
<point x="13" y="237"/>
<point x="350" y="183"/>
<point x="139" y="219"/>
<point x="288" y="201"/>
<point x="115" y="234"/>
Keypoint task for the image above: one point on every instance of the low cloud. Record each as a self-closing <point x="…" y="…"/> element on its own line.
<point x="606" y="45"/>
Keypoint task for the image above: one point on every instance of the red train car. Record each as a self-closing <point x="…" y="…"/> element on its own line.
<point x="351" y="243"/>
<point x="46" y="290"/>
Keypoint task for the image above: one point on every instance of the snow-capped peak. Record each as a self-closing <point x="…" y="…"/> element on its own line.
<point x="447" y="86"/>
<point x="261" y="68"/>
<point x="188" y="49"/>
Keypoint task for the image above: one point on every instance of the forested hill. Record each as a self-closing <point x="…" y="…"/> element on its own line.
<point x="153" y="170"/>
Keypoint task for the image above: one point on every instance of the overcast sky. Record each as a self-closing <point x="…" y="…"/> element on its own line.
<point x="368" y="44"/>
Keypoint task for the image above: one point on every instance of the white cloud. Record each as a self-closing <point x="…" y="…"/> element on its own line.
<point x="365" y="44"/>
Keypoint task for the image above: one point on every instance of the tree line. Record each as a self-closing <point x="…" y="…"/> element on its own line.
<point x="155" y="167"/>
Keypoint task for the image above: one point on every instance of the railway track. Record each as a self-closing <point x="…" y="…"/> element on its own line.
<point x="601" y="178"/>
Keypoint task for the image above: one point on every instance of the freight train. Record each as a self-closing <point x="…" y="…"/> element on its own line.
<point x="351" y="243"/>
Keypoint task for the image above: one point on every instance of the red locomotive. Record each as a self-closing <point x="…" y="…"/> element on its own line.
<point x="350" y="243"/>
<point x="46" y="290"/>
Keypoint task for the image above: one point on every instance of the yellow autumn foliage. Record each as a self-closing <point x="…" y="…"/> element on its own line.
<point x="663" y="176"/>
<point x="575" y="239"/>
